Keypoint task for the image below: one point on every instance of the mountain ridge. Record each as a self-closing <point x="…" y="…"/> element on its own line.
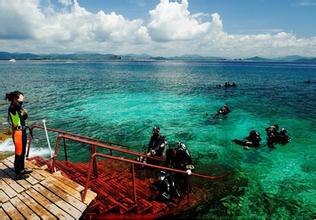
<point x="88" y="56"/>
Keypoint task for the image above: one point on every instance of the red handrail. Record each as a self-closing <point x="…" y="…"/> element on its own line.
<point x="77" y="135"/>
<point x="93" y="144"/>
<point x="135" y="153"/>
<point x="92" y="162"/>
<point x="106" y="144"/>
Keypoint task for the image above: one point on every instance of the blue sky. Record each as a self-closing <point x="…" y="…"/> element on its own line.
<point x="160" y="27"/>
<point x="242" y="16"/>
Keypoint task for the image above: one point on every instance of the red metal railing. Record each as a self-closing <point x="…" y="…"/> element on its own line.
<point x="93" y="167"/>
<point x="105" y="144"/>
<point x="132" y="162"/>
<point x="93" y="142"/>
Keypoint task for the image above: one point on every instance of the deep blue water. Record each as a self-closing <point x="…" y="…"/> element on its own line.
<point x="122" y="101"/>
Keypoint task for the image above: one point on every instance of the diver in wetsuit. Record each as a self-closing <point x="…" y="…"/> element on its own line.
<point x="180" y="159"/>
<point x="272" y="135"/>
<point x="253" y="140"/>
<point x="16" y="118"/>
<point x="224" y="110"/>
<point x="157" y="144"/>
<point x="283" y="137"/>
<point x="221" y="112"/>
<point x="164" y="189"/>
<point x="227" y="84"/>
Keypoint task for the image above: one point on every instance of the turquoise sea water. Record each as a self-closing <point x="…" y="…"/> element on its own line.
<point x="122" y="101"/>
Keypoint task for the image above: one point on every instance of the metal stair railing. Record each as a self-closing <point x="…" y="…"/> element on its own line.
<point x="93" y="163"/>
<point x="106" y="144"/>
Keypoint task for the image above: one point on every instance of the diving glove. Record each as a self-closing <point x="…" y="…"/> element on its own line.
<point x="189" y="167"/>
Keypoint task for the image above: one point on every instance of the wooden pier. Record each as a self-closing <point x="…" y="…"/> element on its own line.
<point x="41" y="196"/>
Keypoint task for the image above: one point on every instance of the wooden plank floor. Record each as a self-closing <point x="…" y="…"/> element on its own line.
<point x="41" y="196"/>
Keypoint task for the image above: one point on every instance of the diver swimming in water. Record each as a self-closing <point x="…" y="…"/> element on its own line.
<point x="226" y="85"/>
<point x="276" y="137"/>
<point x="272" y="135"/>
<point x="223" y="111"/>
<point x="253" y="140"/>
<point x="283" y="137"/>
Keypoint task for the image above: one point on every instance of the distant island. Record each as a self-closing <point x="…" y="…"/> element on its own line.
<point x="144" y="57"/>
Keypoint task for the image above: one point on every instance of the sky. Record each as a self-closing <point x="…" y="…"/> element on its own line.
<point x="224" y="28"/>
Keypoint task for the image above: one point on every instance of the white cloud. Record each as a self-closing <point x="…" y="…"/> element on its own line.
<point x="81" y="25"/>
<point x="173" y="21"/>
<point x="65" y="2"/>
<point x="28" y="26"/>
<point x="306" y="3"/>
<point x="18" y="22"/>
<point x="73" y="28"/>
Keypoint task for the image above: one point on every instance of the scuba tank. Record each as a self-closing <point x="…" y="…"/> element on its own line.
<point x="164" y="146"/>
<point x="166" y="187"/>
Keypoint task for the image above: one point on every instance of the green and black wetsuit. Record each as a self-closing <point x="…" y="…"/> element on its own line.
<point x="19" y="136"/>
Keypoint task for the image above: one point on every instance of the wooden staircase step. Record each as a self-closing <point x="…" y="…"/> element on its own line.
<point x="143" y="206"/>
<point x="158" y="207"/>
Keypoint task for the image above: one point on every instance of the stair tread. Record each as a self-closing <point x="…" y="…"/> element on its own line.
<point x="115" y="191"/>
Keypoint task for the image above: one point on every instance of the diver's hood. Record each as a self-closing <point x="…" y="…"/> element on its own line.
<point x="162" y="175"/>
<point x="181" y="145"/>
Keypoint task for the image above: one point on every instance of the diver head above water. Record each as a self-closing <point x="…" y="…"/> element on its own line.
<point x="156" y="131"/>
<point x="182" y="145"/>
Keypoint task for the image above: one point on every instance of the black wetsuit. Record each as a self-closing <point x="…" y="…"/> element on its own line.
<point x="223" y="111"/>
<point x="272" y="136"/>
<point x="283" y="138"/>
<point x="255" y="140"/>
<point x="19" y="135"/>
<point x="155" y="144"/>
<point x="166" y="187"/>
<point x="250" y="141"/>
<point x="181" y="160"/>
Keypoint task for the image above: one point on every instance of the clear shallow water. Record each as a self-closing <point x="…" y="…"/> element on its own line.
<point x="121" y="102"/>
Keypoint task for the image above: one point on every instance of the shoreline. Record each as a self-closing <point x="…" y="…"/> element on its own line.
<point x="160" y="61"/>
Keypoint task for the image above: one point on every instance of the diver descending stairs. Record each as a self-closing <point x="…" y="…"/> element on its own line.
<point x="121" y="188"/>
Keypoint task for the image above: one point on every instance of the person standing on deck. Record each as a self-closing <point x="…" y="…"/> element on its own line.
<point x="16" y="118"/>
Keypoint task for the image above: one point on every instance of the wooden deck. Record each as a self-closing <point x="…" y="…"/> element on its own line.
<point x="41" y="196"/>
